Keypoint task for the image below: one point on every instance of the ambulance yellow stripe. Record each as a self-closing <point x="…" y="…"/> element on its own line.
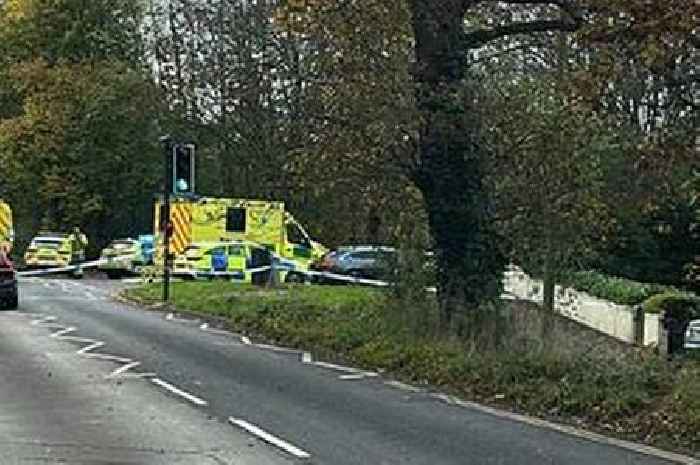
<point x="182" y="231"/>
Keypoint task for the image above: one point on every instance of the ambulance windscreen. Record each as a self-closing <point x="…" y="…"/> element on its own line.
<point x="235" y="220"/>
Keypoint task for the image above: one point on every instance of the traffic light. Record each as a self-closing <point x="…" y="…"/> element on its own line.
<point x="183" y="168"/>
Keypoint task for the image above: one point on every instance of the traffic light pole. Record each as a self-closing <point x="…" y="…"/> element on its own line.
<point x="167" y="229"/>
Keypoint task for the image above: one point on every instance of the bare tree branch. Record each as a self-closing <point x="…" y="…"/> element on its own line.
<point x="571" y="18"/>
<point x="481" y="37"/>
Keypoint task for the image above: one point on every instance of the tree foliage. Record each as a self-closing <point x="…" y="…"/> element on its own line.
<point x="80" y="129"/>
<point x="369" y="116"/>
<point x="549" y="172"/>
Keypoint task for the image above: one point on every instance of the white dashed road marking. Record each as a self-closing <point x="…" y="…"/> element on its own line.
<point x="48" y="322"/>
<point x="403" y="386"/>
<point x="186" y="395"/>
<point x="92" y="346"/>
<point x="112" y="358"/>
<point x="122" y="369"/>
<point x="63" y="331"/>
<point x="269" y="438"/>
<point x="363" y="375"/>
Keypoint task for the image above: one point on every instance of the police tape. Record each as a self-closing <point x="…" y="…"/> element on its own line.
<point x="206" y="274"/>
<point x="345" y="278"/>
<point x="239" y="274"/>
<point x="80" y="267"/>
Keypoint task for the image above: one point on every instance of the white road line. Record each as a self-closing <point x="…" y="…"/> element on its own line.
<point x="333" y="366"/>
<point x="112" y="358"/>
<point x="220" y="332"/>
<point x="194" y="399"/>
<point x="52" y="326"/>
<point x="572" y="431"/>
<point x="351" y="377"/>
<point x="363" y="375"/>
<point x="403" y="386"/>
<point x="60" y="333"/>
<point x="269" y="438"/>
<point x="43" y="320"/>
<point x="354" y="371"/>
<point x="92" y="346"/>
<point x="119" y="371"/>
<point x="138" y="375"/>
<point x="78" y="339"/>
<point x="285" y="350"/>
<point x="444" y="398"/>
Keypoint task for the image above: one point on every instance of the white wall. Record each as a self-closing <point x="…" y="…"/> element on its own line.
<point x="607" y="317"/>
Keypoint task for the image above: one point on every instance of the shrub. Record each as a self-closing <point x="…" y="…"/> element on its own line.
<point x="680" y="305"/>
<point x="619" y="290"/>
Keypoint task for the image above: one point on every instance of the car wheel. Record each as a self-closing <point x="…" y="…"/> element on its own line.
<point x="13" y="303"/>
<point x="111" y="274"/>
<point x="295" y="278"/>
<point x="356" y="274"/>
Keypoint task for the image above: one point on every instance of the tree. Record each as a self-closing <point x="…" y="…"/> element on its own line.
<point x="641" y="74"/>
<point x="549" y="171"/>
<point x="451" y="160"/>
<point x="312" y="108"/>
<point x="80" y="111"/>
<point x="70" y="30"/>
<point x="86" y="145"/>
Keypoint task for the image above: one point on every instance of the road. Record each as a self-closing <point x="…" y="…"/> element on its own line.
<point x="192" y="390"/>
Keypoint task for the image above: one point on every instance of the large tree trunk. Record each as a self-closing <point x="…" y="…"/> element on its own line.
<point x="470" y="262"/>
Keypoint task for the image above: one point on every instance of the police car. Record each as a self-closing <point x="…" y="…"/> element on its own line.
<point x="243" y="261"/>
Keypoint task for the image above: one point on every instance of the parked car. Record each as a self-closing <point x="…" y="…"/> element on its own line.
<point x="692" y="335"/>
<point x="9" y="295"/>
<point x="360" y="261"/>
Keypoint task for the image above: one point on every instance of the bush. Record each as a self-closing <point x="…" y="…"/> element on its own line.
<point x="619" y="290"/>
<point x="680" y="305"/>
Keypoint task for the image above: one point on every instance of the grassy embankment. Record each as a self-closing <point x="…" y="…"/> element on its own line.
<point x="578" y="376"/>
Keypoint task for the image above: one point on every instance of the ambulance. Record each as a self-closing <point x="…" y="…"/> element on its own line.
<point x="7" y="232"/>
<point x="211" y="220"/>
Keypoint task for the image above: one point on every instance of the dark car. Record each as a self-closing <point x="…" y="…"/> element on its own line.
<point x="360" y="261"/>
<point x="9" y="297"/>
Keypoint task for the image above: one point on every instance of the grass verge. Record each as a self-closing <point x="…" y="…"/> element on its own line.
<point x="577" y="377"/>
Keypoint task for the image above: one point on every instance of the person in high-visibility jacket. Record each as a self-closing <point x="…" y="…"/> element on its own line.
<point x="79" y="242"/>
